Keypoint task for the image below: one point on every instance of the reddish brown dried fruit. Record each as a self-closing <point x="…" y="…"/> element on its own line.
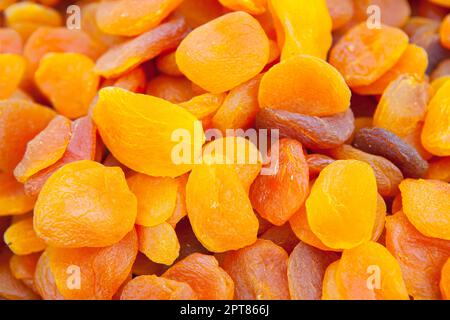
<point x="317" y="162"/>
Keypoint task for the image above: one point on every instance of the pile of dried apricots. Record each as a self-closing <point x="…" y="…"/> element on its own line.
<point x="93" y="205"/>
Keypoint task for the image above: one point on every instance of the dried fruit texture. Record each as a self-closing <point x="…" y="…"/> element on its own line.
<point x="25" y="17"/>
<point x="198" y="12"/>
<point x="421" y="258"/>
<point x="82" y="146"/>
<point x="102" y="270"/>
<point x="302" y="28"/>
<point x="439" y="169"/>
<point x="393" y="13"/>
<point x="313" y="132"/>
<point x="10" y="287"/>
<point x="204" y="106"/>
<point x="278" y="196"/>
<point x="173" y="89"/>
<point x="21" y="238"/>
<point x="189" y="243"/>
<point x="10" y="41"/>
<point x="13" y="200"/>
<point x="341" y="12"/>
<point x="445" y="32"/>
<point x="76" y="208"/>
<point x="167" y="64"/>
<point x="203" y="274"/>
<point x="438" y="83"/>
<point x="20" y="121"/>
<point x="330" y="290"/>
<point x="445" y="281"/>
<point x="45" y="40"/>
<point x="403" y="106"/>
<point x="316" y="163"/>
<point x="156" y="288"/>
<point x="44" y="149"/>
<point x="159" y="243"/>
<point x="156" y="198"/>
<point x="215" y="197"/>
<point x="240" y="52"/>
<point x="24" y="267"/>
<point x="12" y="69"/>
<point x="363" y="54"/>
<point x="240" y="107"/>
<point x="306" y="270"/>
<point x="240" y="154"/>
<point x="254" y="7"/>
<point x="180" y="210"/>
<point x="133" y="17"/>
<point x="388" y="176"/>
<point x="69" y="82"/>
<point x="341" y="208"/>
<point x="426" y="203"/>
<point x="436" y="130"/>
<point x="384" y="143"/>
<point x="248" y="268"/>
<point x="413" y="62"/>
<point x="294" y="85"/>
<point x="282" y="236"/>
<point x="125" y="56"/>
<point x="45" y="281"/>
<point x="352" y="274"/>
<point x="124" y="120"/>
<point x="134" y="81"/>
<point x="442" y="69"/>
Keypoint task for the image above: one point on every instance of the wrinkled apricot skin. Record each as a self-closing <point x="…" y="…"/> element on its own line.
<point x="13" y="200"/>
<point x="45" y="281"/>
<point x="172" y="89"/>
<point x="254" y="7"/>
<point x="12" y="69"/>
<point x="445" y="281"/>
<point x="76" y="208"/>
<point x="330" y="290"/>
<point x="240" y="52"/>
<point x="22" y="239"/>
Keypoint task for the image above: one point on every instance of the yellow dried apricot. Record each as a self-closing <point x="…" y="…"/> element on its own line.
<point x="159" y="243"/>
<point x="13" y="200"/>
<point x="12" y="70"/>
<point x="445" y="281"/>
<point x="22" y="239"/>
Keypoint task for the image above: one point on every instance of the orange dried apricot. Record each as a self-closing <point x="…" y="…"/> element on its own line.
<point x="204" y="106"/>
<point x="12" y="70"/>
<point x="240" y="52"/>
<point x="76" y="208"/>
<point x="294" y="85"/>
<point x="198" y="12"/>
<point x="22" y="239"/>
<point x="330" y="290"/>
<point x="393" y="13"/>
<point x="282" y="236"/>
<point x="203" y="274"/>
<point x="172" y="89"/>
<point x="439" y="169"/>
<point x="180" y="210"/>
<point x="445" y="32"/>
<point x="248" y="267"/>
<point x="254" y="7"/>
<point x="445" y="280"/>
<point x="341" y="207"/>
<point x="341" y="12"/>
<point x="134" y="81"/>
<point x="24" y="267"/>
<point x="159" y="243"/>
<point x="426" y="203"/>
<point x="45" y="281"/>
<point x="152" y="287"/>
<point x="10" y="41"/>
<point x="13" y="200"/>
<point x="167" y="64"/>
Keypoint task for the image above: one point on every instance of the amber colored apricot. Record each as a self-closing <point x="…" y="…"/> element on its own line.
<point x="203" y="274"/>
<point x="173" y="89"/>
<point x="306" y="270"/>
<point x="44" y="149"/>
<point x="388" y="176"/>
<point x="101" y="270"/>
<point x="198" y="12"/>
<point x="239" y="153"/>
<point x="414" y="62"/>
<point x="342" y="213"/>
<point x="421" y="258"/>
<point x="124" y="120"/>
<point x="393" y="13"/>
<point x="216" y="197"/>
<point x="364" y="54"/>
<point x="180" y="210"/>
<point x="167" y="64"/>
<point x="129" y="54"/>
<point x="436" y="130"/>
<point x="10" y="41"/>
<point x="12" y="70"/>
<point x="76" y="208"/>
<point x="240" y="52"/>
<point x="426" y="203"/>
<point x="330" y="290"/>
<point x="254" y="7"/>
<point x="204" y="106"/>
<point x="302" y="28"/>
<point x="341" y="12"/>
<point x="13" y="200"/>
<point x="445" y="32"/>
<point x="25" y="17"/>
<point x="159" y="243"/>
<point x="22" y="239"/>
<point x="152" y="287"/>
<point x="134" y="81"/>
<point x="240" y="107"/>
<point x="45" y="281"/>
<point x="444" y="284"/>
<point x="278" y="196"/>
<point x="282" y="236"/>
<point x="436" y="84"/>
<point x="133" y="17"/>
<point x="248" y="268"/>
<point x="24" y="267"/>
<point x="20" y="121"/>
<point x="439" y="169"/>
<point x="10" y="287"/>
<point x="357" y="265"/>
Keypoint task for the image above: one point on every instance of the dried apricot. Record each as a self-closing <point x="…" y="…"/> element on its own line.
<point x="341" y="12"/>
<point x="439" y="169"/>
<point x="22" y="239"/>
<point x="393" y="13"/>
<point x="282" y="236"/>
<point x="173" y="89"/>
<point x="45" y="281"/>
<point x="10" y="41"/>
<point x="254" y="7"/>
<point x="330" y="290"/>
<point x="12" y="70"/>
<point x="445" y="280"/>
<point x="13" y="200"/>
<point x="445" y="32"/>
<point x="24" y="267"/>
